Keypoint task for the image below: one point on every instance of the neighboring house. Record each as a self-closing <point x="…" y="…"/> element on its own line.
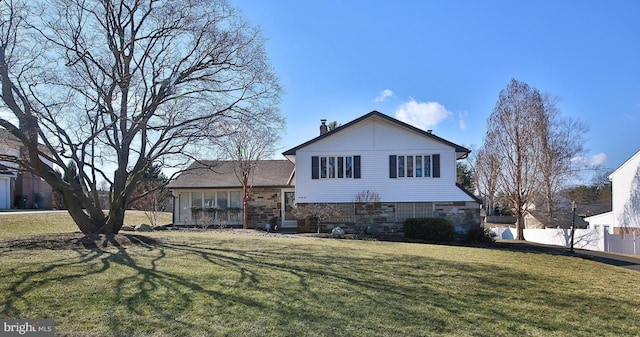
<point x="19" y="189"/>
<point x="602" y="220"/>
<point x="210" y="191"/>
<point x="413" y="171"/>
<point x="624" y="217"/>
<point x="7" y="183"/>
<point x="562" y="219"/>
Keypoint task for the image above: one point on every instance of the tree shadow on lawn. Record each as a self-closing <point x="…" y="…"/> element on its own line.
<point x="147" y="293"/>
<point x="613" y="259"/>
<point x="77" y="240"/>
<point x="96" y="255"/>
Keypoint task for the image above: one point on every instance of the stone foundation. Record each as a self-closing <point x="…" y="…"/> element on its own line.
<point x="264" y="204"/>
<point x="384" y="217"/>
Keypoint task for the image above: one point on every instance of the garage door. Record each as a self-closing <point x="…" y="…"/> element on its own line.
<point x="5" y="193"/>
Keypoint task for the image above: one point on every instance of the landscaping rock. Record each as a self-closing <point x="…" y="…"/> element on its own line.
<point x="128" y="228"/>
<point x="162" y="228"/>
<point x="143" y="228"/>
<point x="337" y="232"/>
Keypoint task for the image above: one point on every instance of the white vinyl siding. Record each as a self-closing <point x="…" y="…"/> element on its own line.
<point x="604" y="220"/>
<point x="374" y="140"/>
<point x="625" y="193"/>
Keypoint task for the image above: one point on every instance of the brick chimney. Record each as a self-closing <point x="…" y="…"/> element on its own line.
<point x="323" y="127"/>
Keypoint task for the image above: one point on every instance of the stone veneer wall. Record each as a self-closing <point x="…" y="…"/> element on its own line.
<point x="264" y="204"/>
<point x="389" y="217"/>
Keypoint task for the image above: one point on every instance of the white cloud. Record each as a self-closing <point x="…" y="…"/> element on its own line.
<point x="598" y="159"/>
<point x="595" y="160"/>
<point x="423" y="115"/>
<point x="462" y="123"/>
<point x="384" y="94"/>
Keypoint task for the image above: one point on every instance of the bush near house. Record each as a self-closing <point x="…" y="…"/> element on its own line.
<point x="430" y="229"/>
<point x="480" y="235"/>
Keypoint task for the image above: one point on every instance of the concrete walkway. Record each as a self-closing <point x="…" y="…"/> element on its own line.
<point x="618" y="260"/>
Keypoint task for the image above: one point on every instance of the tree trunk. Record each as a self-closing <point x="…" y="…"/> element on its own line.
<point x="115" y="220"/>
<point x="245" y="207"/>
<point x="520" y="224"/>
<point x="87" y="223"/>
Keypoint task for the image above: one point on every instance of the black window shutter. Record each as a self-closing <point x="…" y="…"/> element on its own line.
<point x="356" y="167"/>
<point x="436" y="165"/>
<point x="315" y="167"/>
<point x="393" y="172"/>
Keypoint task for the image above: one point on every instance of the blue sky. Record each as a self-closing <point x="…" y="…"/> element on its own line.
<point x="441" y="64"/>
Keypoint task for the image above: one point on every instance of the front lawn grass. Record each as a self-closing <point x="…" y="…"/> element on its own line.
<point x="216" y="284"/>
<point x="16" y="224"/>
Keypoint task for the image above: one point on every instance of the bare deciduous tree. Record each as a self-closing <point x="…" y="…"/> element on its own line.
<point x="485" y="168"/>
<point x="561" y="141"/>
<point x="365" y="203"/>
<point x="247" y="144"/>
<point x="512" y="136"/>
<point x="151" y="195"/>
<point x="117" y="85"/>
<point x="528" y="151"/>
<point x="317" y="212"/>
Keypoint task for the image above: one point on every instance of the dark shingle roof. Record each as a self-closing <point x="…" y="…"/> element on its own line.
<point x="220" y="174"/>
<point x="562" y="218"/>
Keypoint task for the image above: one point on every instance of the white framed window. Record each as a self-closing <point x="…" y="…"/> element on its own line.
<point x="335" y="167"/>
<point x="414" y="166"/>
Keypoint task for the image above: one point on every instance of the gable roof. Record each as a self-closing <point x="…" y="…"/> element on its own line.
<point x="627" y="162"/>
<point x="220" y="174"/>
<point x="463" y="152"/>
<point x="8" y="137"/>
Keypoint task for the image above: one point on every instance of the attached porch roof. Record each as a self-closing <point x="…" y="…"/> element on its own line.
<point x="221" y="174"/>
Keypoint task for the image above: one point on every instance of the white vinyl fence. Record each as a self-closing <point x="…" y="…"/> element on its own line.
<point x="592" y="239"/>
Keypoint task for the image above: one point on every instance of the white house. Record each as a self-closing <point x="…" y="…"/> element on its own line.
<point x="19" y="188"/>
<point x="7" y="179"/>
<point x="602" y="220"/>
<point x="625" y="202"/>
<point x="412" y="170"/>
<point x="9" y="146"/>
